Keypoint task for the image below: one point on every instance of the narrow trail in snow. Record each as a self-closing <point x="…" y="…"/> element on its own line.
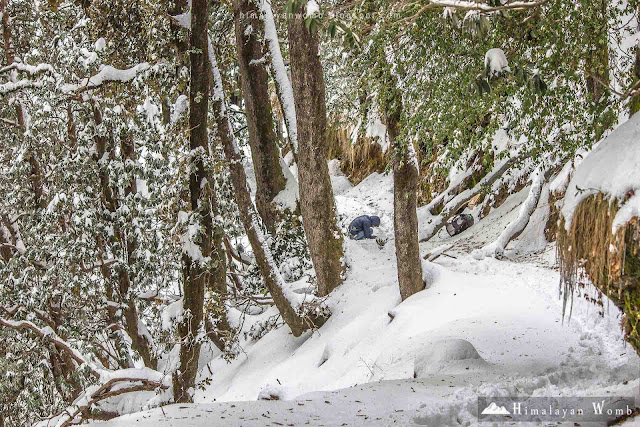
<point x="359" y="369"/>
<point x="597" y="361"/>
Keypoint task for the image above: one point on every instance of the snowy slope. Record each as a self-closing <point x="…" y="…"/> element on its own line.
<point x="611" y="168"/>
<point x="359" y="368"/>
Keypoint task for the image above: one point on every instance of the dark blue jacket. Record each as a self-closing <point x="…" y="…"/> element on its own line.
<point x="364" y="223"/>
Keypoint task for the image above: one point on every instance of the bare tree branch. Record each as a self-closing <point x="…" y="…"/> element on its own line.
<point x="106" y="391"/>
<point x="46" y="334"/>
<point x="632" y="91"/>
<point x="9" y="122"/>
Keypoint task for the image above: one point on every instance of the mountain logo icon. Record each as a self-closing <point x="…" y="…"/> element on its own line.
<point x="494" y="409"/>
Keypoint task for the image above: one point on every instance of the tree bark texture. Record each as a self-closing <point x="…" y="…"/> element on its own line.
<point x="195" y="274"/>
<point x="255" y="90"/>
<point x="634" y="102"/>
<point x="405" y="216"/>
<point x="316" y="195"/>
<point x="248" y="217"/>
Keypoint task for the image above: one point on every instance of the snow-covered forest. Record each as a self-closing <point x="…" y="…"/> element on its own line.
<point x="317" y="212"/>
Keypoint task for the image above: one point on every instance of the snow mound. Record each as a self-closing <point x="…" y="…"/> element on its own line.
<point x="611" y="168"/>
<point x="495" y="61"/>
<point x="275" y="392"/>
<point x="447" y="356"/>
<point x="377" y="131"/>
<point x="289" y="196"/>
<point x="339" y="180"/>
<point x="430" y="273"/>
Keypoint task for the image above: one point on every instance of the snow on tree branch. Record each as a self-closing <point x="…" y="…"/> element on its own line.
<point x="148" y="381"/>
<point x="143" y="379"/>
<point x="30" y="69"/>
<point x="473" y="6"/>
<point x="517" y="226"/>
<point x="433" y="224"/>
<point x="48" y="334"/>
<point x="483" y="7"/>
<point x="18" y="85"/>
<point x="107" y="74"/>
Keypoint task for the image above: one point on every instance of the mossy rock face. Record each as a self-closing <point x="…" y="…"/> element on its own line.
<point x="611" y="261"/>
<point x="631" y="285"/>
<point x="359" y="160"/>
<point x="551" y="227"/>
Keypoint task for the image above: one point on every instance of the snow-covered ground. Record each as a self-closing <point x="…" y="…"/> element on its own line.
<point x="379" y="362"/>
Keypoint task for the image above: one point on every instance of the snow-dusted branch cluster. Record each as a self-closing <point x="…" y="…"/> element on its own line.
<point x="450" y="6"/>
<point x="106" y="75"/>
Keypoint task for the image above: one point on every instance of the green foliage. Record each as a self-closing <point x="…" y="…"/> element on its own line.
<point x="451" y="105"/>
<point x="337" y="28"/>
<point x="57" y="280"/>
<point x="294" y="6"/>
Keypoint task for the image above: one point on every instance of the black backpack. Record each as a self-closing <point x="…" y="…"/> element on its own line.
<point x="459" y="223"/>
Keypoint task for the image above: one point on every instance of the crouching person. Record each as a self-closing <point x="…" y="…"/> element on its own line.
<point x="361" y="227"/>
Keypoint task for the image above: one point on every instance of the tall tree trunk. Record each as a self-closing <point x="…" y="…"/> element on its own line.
<point x="196" y="273"/>
<point x="316" y="195"/>
<point x="274" y="282"/>
<point x="405" y="184"/>
<point x="140" y="341"/>
<point x="405" y="216"/>
<point x="255" y="90"/>
<point x="174" y="8"/>
<point x="279" y="73"/>
<point x="634" y="102"/>
<point x="216" y="324"/>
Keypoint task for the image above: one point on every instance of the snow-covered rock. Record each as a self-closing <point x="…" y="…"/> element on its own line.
<point x="612" y="168"/>
<point x="430" y="272"/>
<point x="339" y="181"/>
<point x="275" y="392"/>
<point x="447" y="356"/>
